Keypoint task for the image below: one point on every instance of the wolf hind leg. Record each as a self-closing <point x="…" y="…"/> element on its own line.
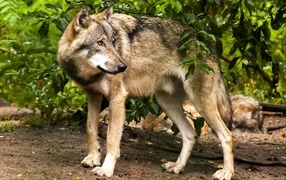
<point x="207" y="106"/>
<point x="172" y="106"/>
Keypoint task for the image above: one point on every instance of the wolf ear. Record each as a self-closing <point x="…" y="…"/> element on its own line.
<point x="82" y="20"/>
<point x="106" y="14"/>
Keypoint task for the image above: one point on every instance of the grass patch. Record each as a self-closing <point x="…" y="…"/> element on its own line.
<point x="8" y="126"/>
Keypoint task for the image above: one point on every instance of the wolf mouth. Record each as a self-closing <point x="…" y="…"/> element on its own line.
<point x="119" y="70"/>
<point x="106" y="71"/>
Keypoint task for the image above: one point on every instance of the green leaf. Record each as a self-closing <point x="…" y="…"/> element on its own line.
<point x="203" y="48"/>
<point x="186" y="44"/>
<point x="177" y="6"/>
<point x="206" y="36"/>
<point x="233" y="48"/>
<point x="3" y="4"/>
<point x="12" y="18"/>
<point x="186" y="34"/>
<point x="246" y="68"/>
<point x="279" y="20"/>
<point x="154" y="108"/>
<point x="265" y="53"/>
<point x="191" y="70"/>
<point x="233" y="62"/>
<point x="275" y="68"/>
<point x="215" y="30"/>
<point x="205" y="67"/>
<point x="234" y="78"/>
<point x="137" y="118"/>
<point x="44" y="30"/>
<point x="175" y="129"/>
<point x="42" y="14"/>
<point x="199" y="123"/>
<point x="225" y="13"/>
<point x="5" y="9"/>
<point x="59" y="6"/>
<point x="230" y="78"/>
<point x="227" y="24"/>
<point x="8" y="17"/>
<point x="11" y="73"/>
<point x="266" y="31"/>
<point x="56" y="6"/>
<point x="60" y="23"/>
<point x="65" y="16"/>
<point x="187" y="61"/>
<point x="68" y="2"/>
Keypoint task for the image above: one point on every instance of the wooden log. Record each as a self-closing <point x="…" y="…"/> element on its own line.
<point x="273" y="107"/>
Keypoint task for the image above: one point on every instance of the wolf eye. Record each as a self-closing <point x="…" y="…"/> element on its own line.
<point x="100" y="43"/>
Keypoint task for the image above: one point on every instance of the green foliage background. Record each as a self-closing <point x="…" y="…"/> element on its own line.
<point x="248" y="35"/>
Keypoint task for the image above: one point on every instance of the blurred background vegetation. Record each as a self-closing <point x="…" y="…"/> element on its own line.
<point x="248" y="35"/>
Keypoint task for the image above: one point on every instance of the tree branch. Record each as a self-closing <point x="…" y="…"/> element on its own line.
<point x="271" y="81"/>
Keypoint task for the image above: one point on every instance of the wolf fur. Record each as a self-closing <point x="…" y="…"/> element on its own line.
<point x="247" y="115"/>
<point x="116" y="56"/>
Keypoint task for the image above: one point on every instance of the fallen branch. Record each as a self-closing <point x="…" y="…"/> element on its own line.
<point x="273" y="107"/>
<point x="276" y="127"/>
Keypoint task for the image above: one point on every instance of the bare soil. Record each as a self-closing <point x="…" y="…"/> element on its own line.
<point x="55" y="152"/>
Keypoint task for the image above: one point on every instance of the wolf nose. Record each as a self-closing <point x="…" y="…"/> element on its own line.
<point x="121" y="67"/>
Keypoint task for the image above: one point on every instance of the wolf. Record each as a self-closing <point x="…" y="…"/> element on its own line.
<point x="116" y="56"/>
<point x="247" y="115"/>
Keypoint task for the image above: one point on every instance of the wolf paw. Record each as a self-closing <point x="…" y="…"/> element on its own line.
<point x="91" y="161"/>
<point x="223" y="175"/>
<point x="103" y="171"/>
<point x="172" y="167"/>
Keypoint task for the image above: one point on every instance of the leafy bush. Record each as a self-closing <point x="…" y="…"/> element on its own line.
<point x="31" y="75"/>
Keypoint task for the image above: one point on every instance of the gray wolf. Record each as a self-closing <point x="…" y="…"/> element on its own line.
<point x="247" y="115"/>
<point x="118" y="56"/>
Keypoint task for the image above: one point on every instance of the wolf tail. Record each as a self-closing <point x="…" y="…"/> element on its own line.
<point x="224" y="105"/>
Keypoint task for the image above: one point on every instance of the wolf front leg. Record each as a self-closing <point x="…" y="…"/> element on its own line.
<point x="93" y="105"/>
<point x="114" y="130"/>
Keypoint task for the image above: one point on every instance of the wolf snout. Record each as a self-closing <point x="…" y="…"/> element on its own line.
<point x="121" y="67"/>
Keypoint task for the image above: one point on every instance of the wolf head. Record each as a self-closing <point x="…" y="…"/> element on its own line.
<point x="87" y="46"/>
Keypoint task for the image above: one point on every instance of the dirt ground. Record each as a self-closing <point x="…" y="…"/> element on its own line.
<point x="55" y="152"/>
